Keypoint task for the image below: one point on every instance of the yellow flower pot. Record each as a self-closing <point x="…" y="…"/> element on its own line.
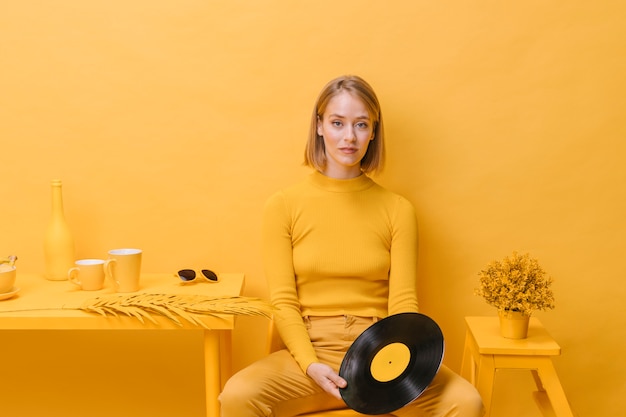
<point x="513" y="324"/>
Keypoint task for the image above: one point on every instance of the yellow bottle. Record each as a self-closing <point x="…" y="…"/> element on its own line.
<point x="58" y="240"/>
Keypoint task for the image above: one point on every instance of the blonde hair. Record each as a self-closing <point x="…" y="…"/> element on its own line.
<point x="314" y="152"/>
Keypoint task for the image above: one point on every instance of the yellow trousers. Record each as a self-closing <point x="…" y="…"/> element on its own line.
<point x="275" y="386"/>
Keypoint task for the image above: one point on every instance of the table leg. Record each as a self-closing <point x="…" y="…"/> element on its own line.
<point x="226" y="349"/>
<point x="212" y="372"/>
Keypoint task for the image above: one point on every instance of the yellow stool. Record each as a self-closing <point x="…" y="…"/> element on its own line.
<point x="486" y="351"/>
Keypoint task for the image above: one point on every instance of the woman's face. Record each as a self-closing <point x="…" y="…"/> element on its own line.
<point x="347" y="129"/>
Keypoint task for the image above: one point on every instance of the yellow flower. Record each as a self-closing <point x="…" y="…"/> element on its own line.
<point x="516" y="283"/>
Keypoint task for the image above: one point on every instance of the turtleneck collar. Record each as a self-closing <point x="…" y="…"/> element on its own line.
<point x="360" y="183"/>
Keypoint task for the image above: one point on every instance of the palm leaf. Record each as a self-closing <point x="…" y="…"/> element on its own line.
<point x="176" y="306"/>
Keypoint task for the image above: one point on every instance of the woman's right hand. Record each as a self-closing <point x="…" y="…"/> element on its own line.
<point x="326" y="378"/>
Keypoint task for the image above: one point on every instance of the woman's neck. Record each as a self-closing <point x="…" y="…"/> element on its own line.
<point x="342" y="174"/>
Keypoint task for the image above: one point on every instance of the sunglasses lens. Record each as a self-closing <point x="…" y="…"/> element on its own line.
<point x="187" y="274"/>
<point x="209" y="274"/>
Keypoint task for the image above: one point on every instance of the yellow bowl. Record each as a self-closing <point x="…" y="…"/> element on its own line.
<point x="7" y="278"/>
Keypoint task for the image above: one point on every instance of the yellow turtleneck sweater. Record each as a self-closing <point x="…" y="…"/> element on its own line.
<point x="333" y="247"/>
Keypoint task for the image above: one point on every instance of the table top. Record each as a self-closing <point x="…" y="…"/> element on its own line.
<point x="43" y="304"/>
<point x="486" y="334"/>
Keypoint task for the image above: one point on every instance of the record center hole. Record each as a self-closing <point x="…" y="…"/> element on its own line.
<point x="390" y="362"/>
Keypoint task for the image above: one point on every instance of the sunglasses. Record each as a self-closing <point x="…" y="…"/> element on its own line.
<point x="188" y="276"/>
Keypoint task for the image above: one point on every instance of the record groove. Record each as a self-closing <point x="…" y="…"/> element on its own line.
<point x="391" y="363"/>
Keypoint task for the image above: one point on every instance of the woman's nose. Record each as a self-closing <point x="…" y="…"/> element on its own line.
<point x="349" y="134"/>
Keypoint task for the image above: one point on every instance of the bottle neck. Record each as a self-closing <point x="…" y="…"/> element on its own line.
<point x="57" y="199"/>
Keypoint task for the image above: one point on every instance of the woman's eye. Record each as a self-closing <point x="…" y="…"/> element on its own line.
<point x="336" y="123"/>
<point x="362" y="125"/>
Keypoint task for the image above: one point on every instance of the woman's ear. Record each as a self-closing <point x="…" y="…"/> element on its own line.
<point x="319" y="126"/>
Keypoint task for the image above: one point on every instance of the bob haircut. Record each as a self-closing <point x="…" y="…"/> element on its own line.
<point x="315" y="151"/>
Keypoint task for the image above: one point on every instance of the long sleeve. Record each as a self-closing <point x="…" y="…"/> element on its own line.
<point x="337" y="247"/>
<point x="278" y="261"/>
<point x="403" y="270"/>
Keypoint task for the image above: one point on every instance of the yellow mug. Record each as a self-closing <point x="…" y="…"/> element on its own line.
<point x="88" y="274"/>
<point x="124" y="268"/>
<point x="7" y="278"/>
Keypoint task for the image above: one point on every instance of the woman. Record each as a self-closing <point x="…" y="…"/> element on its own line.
<point x="340" y="253"/>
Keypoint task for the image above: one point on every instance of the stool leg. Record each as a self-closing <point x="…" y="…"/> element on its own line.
<point x="541" y="396"/>
<point x="484" y="380"/>
<point x="468" y="366"/>
<point x="549" y="381"/>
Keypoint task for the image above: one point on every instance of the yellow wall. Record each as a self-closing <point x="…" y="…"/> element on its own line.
<point x="170" y="123"/>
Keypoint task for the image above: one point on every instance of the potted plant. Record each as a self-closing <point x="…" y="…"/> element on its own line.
<point x="516" y="286"/>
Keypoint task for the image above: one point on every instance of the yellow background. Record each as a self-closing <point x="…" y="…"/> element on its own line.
<point x="171" y="122"/>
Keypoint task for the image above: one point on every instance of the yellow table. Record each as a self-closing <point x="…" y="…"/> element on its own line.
<point x="50" y="305"/>
<point x="486" y="351"/>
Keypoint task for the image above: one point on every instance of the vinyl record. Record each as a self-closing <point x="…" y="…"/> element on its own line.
<point x="391" y="363"/>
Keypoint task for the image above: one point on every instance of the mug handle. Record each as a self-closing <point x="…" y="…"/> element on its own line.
<point x="72" y="276"/>
<point x="108" y="270"/>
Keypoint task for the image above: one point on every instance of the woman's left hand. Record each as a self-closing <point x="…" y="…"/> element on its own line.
<point x="326" y="378"/>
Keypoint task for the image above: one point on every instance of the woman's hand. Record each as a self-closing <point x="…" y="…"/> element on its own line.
<point x="326" y="378"/>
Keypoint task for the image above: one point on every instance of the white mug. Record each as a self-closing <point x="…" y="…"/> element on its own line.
<point x="124" y="268"/>
<point x="88" y="274"/>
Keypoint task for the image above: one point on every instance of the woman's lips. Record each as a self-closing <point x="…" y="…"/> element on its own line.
<point x="348" y="150"/>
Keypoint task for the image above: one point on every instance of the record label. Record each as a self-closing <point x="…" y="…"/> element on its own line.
<point x="391" y="363"/>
